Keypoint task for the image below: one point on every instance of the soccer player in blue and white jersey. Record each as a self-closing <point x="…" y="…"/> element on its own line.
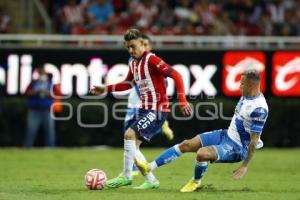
<point x="236" y="144"/>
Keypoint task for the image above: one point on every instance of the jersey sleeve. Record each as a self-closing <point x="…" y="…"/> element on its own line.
<point x="162" y="67"/>
<point x="258" y="118"/>
<point x="124" y="85"/>
<point x="180" y="88"/>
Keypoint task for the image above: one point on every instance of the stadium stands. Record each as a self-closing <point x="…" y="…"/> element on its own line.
<point x="180" y="17"/>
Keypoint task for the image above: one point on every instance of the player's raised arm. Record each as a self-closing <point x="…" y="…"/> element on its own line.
<point x="121" y="86"/>
<point x="166" y="70"/>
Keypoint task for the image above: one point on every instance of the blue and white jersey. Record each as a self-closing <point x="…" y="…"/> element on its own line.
<point x="134" y="98"/>
<point x="250" y="116"/>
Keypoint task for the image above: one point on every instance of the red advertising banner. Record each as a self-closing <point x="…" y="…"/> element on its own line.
<point x="286" y="73"/>
<point x="234" y="63"/>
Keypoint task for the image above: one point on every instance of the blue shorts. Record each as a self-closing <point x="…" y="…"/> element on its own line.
<point x="228" y="151"/>
<point x="147" y="123"/>
<point x="129" y="118"/>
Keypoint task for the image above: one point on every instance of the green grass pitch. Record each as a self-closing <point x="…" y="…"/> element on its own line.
<point x="59" y="174"/>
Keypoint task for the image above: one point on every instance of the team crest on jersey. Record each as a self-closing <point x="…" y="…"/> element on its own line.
<point x="143" y="85"/>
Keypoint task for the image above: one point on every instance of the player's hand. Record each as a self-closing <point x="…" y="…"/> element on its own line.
<point x="97" y="90"/>
<point x="187" y="110"/>
<point x="240" y="172"/>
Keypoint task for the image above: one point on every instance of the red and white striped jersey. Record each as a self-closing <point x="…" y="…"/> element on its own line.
<point x="149" y="74"/>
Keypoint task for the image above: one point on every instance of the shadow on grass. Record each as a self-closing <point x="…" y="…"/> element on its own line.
<point x="207" y="188"/>
<point x="211" y="188"/>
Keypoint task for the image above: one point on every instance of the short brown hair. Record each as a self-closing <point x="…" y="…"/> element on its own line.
<point x="252" y="74"/>
<point x="146" y="37"/>
<point x="132" y="34"/>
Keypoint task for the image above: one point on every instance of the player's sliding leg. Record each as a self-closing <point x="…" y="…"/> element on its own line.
<point x="169" y="155"/>
<point x="166" y="157"/>
<point x="129" y="154"/>
<point x="204" y="155"/>
<point x="167" y="131"/>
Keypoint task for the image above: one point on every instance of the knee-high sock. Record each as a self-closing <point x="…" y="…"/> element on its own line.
<point x="199" y="170"/>
<point x="129" y="153"/>
<point x="139" y="155"/>
<point x="167" y="156"/>
<point x="150" y="177"/>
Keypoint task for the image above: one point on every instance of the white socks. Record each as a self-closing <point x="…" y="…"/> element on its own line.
<point x="152" y="166"/>
<point x="140" y="155"/>
<point x="129" y="153"/>
<point x="150" y="177"/>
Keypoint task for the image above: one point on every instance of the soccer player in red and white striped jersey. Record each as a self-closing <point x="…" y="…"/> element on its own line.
<point x="148" y="72"/>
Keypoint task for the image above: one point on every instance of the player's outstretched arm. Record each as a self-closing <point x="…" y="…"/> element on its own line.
<point x="97" y="90"/>
<point x="242" y="170"/>
<point x="124" y="85"/>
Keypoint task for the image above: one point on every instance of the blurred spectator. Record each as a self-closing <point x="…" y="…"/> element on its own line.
<point x="183" y="12"/>
<point x="184" y="17"/>
<point x="222" y="25"/>
<point x="290" y="26"/>
<point x="258" y="9"/>
<point x="72" y="17"/>
<point x="122" y="17"/>
<point x="204" y="12"/>
<point x="5" y="22"/>
<point x="101" y="16"/>
<point x="276" y="10"/>
<point x="119" y="6"/>
<point x="85" y="3"/>
<point x="283" y="16"/>
<point x="39" y="104"/>
<point x="165" y="19"/>
<point x="144" y="13"/>
<point x="266" y="26"/>
<point x="243" y="26"/>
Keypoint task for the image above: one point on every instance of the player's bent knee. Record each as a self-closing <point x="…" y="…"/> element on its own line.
<point x="130" y="134"/>
<point x="185" y="146"/>
<point x="206" y="154"/>
<point x="201" y="156"/>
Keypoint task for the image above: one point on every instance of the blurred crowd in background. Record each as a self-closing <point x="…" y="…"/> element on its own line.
<point x="172" y="17"/>
<point x="177" y="17"/>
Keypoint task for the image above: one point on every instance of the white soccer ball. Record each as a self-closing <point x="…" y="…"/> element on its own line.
<point x="95" y="179"/>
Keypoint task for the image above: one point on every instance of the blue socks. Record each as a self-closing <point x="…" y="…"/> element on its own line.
<point x="199" y="170"/>
<point x="168" y="156"/>
<point x="172" y="154"/>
